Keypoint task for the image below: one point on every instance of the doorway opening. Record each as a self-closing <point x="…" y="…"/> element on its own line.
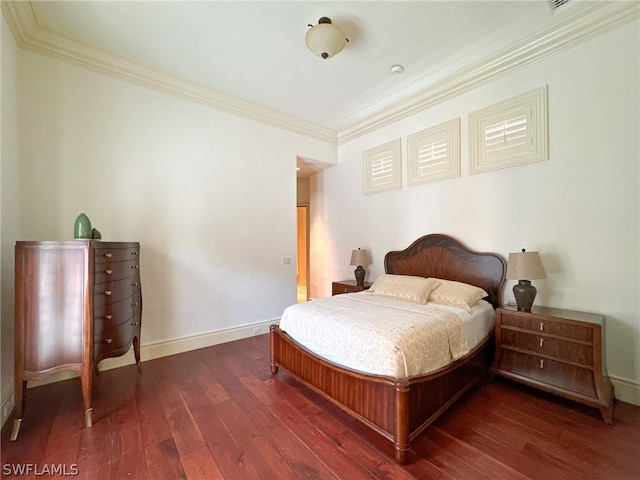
<point x="303" y="253"/>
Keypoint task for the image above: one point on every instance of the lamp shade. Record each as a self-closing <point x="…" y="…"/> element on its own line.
<point x="325" y="39"/>
<point x="359" y="257"/>
<point x="525" y="266"/>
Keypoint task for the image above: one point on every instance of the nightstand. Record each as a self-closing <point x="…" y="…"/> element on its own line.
<point x="558" y="351"/>
<point x="348" y="286"/>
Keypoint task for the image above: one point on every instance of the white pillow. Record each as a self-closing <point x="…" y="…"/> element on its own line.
<point x="405" y="287"/>
<point x="456" y="294"/>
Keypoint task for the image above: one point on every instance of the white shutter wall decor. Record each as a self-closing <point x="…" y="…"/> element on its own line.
<point x="434" y="153"/>
<point x="510" y="133"/>
<point x="382" y="167"/>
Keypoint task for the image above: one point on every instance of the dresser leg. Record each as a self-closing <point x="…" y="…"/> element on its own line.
<point x="136" y="353"/>
<point x="86" y="379"/>
<point x="16" y="429"/>
<point x="607" y="414"/>
<point x="21" y="400"/>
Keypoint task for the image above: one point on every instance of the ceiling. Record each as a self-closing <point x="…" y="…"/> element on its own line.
<point x="250" y="57"/>
<point x="256" y="50"/>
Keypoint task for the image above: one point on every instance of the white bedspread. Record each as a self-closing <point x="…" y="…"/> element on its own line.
<point x="383" y="335"/>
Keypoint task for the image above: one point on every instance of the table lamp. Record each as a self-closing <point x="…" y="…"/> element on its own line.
<point x="523" y="265"/>
<point x="359" y="258"/>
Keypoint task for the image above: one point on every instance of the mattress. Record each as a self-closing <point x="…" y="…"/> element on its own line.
<point x="386" y="336"/>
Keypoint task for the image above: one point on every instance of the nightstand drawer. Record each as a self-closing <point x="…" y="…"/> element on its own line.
<point x="556" y="374"/>
<point x="542" y="344"/>
<point x="348" y="286"/>
<point x="543" y="325"/>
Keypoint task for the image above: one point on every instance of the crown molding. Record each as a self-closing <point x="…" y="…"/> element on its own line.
<point x="30" y="36"/>
<point x="584" y="23"/>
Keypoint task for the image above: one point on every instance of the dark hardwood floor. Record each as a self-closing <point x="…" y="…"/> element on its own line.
<point x="217" y="413"/>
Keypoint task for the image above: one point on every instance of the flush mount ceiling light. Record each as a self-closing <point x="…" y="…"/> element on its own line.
<point x="325" y="39"/>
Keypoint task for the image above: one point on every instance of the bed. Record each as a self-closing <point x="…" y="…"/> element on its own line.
<point x="399" y="407"/>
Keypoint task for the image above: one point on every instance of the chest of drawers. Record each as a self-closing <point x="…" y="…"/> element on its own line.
<point x="555" y="350"/>
<point x="76" y="303"/>
<point x="117" y="300"/>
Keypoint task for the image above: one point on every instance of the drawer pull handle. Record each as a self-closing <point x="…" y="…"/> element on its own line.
<point x="134" y="266"/>
<point x="134" y="304"/>
<point x="542" y="326"/>
<point x="134" y="253"/>
<point x="134" y="284"/>
<point x="541" y="363"/>
<point x="108" y="316"/>
<point x="108" y="272"/>
<point x="108" y="255"/>
<point x="541" y="342"/>
<point x="108" y="340"/>
<point x="135" y="324"/>
<point x="108" y="292"/>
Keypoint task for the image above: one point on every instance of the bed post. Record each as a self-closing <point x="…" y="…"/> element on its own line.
<point x="272" y="344"/>
<point x="401" y="439"/>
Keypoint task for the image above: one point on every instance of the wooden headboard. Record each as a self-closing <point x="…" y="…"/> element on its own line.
<point x="442" y="256"/>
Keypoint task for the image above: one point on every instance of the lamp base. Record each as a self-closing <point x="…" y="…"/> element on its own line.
<point x="524" y="294"/>
<point x="360" y="272"/>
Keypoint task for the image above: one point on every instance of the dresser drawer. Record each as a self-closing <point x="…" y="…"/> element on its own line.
<point x="112" y="292"/>
<point x="114" y="314"/>
<point x="113" y="341"/>
<point x="551" y="327"/>
<point x="554" y="373"/>
<point x="110" y="271"/>
<point x="561" y="349"/>
<point x="136" y="303"/>
<point x="104" y="254"/>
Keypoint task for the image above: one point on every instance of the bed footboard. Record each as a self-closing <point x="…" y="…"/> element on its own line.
<point x="398" y="409"/>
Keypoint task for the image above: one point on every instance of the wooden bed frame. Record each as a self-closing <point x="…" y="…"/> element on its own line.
<point x="400" y="408"/>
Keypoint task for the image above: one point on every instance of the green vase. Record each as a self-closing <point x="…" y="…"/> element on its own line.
<point x="82" y="227"/>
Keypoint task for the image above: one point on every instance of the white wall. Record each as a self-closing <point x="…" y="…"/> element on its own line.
<point x="580" y="208"/>
<point x="210" y="196"/>
<point x="8" y="209"/>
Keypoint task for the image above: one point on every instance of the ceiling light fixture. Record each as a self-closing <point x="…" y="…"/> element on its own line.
<point x="325" y="39"/>
<point x="397" y="69"/>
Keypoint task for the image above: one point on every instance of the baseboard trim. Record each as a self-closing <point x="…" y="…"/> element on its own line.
<point x="172" y="347"/>
<point x="169" y="347"/>
<point x="626" y="390"/>
<point x="8" y="402"/>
